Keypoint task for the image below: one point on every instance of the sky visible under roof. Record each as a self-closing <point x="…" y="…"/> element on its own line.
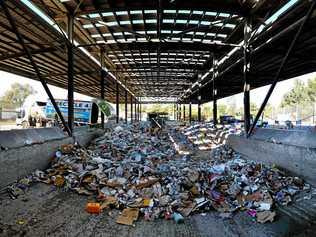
<point x="257" y="95"/>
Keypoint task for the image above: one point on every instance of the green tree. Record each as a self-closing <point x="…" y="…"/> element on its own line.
<point x="253" y="109"/>
<point x="221" y="110"/>
<point x="297" y="96"/>
<point x="232" y="106"/>
<point x="15" y="96"/>
<point x="268" y="111"/>
<point x="165" y="108"/>
<point x="311" y="90"/>
<point x="207" y="111"/>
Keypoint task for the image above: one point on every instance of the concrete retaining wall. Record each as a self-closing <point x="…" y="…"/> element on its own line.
<point x="302" y="138"/>
<point x="20" y="159"/>
<point x="299" y="160"/>
<point x="22" y="137"/>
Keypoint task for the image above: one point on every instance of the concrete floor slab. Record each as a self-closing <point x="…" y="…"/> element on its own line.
<point x="45" y="211"/>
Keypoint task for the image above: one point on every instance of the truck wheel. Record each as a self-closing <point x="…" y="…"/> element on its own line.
<point x="25" y="124"/>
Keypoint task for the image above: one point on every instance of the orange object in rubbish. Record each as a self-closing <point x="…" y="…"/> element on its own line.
<point x="93" y="207"/>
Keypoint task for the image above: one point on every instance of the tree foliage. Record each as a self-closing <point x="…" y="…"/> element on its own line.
<point x="268" y="111"/>
<point x="311" y="90"/>
<point x="297" y="96"/>
<point x="15" y="96"/>
<point x="253" y="108"/>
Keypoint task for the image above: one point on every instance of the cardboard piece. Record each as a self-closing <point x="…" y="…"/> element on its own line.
<point x="128" y="216"/>
<point x="110" y="200"/>
<point x="265" y="216"/>
<point x="66" y="148"/>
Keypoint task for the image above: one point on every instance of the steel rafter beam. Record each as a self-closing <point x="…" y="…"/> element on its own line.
<point x="178" y="46"/>
<point x="23" y="54"/>
<point x="75" y="73"/>
<point x="34" y="65"/>
<point x="231" y="7"/>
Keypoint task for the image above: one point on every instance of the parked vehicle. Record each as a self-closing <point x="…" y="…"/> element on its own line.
<point x="31" y="114"/>
<point x="157" y="119"/>
<point x="85" y="112"/>
<point x="41" y="114"/>
<point x="227" y="119"/>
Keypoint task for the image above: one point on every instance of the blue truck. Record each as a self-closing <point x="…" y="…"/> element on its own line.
<point x="85" y="112"/>
<point x="41" y="114"/>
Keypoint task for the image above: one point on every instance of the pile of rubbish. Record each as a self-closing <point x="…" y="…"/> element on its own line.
<point x="132" y="170"/>
<point x="203" y="136"/>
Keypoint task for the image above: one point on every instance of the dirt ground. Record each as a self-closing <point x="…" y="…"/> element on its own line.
<point x="45" y="211"/>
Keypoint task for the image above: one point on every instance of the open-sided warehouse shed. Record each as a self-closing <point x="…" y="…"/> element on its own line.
<point x="166" y="51"/>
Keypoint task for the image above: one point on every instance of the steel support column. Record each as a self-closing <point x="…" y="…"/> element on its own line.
<point x="281" y="68"/>
<point x="70" y="73"/>
<point x="131" y="109"/>
<point x="135" y="109"/>
<point x="215" y="112"/>
<point x="34" y="65"/>
<point x="140" y="110"/>
<point x="103" y="74"/>
<point x="199" y="108"/>
<point x="190" y="112"/>
<point x="125" y="106"/>
<point x="177" y="115"/>
<point x="183" y="112"/>
<point x="180" y="111"/>
<point x="247" y="65"/>
<point x="174" y="112"/>
<point x="215" y="74"/>
<point x="117" y="103"/>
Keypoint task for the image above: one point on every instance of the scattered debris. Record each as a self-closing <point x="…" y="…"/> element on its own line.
<point x="93" y="208"/>
<point x="178" y="218"/>
<point x="203" y="136"/>
<point x="128" y="216"/>
<point x="265" y="216"/>
<point x="131" y="169"/>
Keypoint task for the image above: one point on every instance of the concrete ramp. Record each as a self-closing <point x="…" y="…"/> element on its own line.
<point x="294" y="151"/>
